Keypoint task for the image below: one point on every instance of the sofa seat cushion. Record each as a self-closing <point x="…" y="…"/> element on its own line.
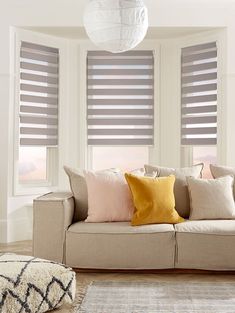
<point x="210" y="227"/>
<point x="119" y="228"/>
<point x="208" y="244"/>
<point x="118" y="245"/>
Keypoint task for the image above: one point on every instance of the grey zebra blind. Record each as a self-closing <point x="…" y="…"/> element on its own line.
<point x="120" y="98"/>
<point x="39" y="70"/>
<point x="199" y="95"/>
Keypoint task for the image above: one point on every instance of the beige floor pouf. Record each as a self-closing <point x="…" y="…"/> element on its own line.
<point x="30" y="285"/>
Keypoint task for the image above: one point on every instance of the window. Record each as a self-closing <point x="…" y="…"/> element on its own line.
<point x="38" y="112"/>
<point x="32" y="164"/>
<point x="120" y="108"/>
<point x="125" y="158"/>
<point x="207" y="155"/>
<point x="199" y="102"/>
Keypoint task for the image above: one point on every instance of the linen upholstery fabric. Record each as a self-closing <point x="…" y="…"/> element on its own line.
<point x="34" y="285"/>
<point x="118" y="245"/>
<point x="109" y="198"/>
<point x="153" y="200"/>
<point x="52" y="215"/>
<point x="182" y="202"/>
<point x="211" y="198"/>
<point x="79" y="190"/>
<point x="206" y="245"/>
<point x="220" y="171"/>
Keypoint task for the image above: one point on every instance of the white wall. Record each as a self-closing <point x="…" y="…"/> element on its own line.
<point x="5" y="78"/>
<point x="16" y="211"/>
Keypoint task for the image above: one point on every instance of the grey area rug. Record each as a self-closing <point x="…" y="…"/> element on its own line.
<point x="134" y="297"/>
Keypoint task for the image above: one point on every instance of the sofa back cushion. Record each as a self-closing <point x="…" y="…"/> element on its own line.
<point x="220" y="171"/>
<point x="109" y="198"/>
<point x="182" y="202"/>
<point x="79" y="189"/>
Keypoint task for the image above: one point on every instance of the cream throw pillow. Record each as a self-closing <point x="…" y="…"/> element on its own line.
<point x="211" y="198"/>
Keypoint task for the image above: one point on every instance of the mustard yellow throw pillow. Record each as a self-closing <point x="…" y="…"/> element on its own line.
<point x="153" y="200"/>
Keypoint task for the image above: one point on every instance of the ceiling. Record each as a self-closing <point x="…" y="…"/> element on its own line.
<point x="153" y="32"/>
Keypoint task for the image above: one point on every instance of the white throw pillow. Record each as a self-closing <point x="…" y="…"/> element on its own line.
<point x="142" y="173"/>
<point x="211" y="198"/>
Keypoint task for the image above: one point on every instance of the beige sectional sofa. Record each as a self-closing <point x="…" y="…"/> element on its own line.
<point x="208" y="244"/>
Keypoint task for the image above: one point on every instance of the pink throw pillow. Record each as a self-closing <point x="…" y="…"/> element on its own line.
<point x="109" y="197"/>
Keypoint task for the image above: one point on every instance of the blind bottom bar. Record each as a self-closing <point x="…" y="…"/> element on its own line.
<point x="198" y="141"/>
<point x="38" y="142"/>
<point x="114" y="142"/>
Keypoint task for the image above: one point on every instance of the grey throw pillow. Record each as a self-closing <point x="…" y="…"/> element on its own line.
<point x="182" y="202"/>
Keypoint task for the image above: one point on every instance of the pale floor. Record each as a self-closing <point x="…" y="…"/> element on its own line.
<point x="84" y="279"/>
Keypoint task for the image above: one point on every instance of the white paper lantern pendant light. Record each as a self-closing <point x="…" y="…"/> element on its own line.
<point x="116" y="25"/>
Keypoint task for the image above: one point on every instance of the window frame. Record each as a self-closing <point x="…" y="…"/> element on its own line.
<point x="85" y="150"/>
<point x="186" y="151"/>
<point x="34" y="186"/>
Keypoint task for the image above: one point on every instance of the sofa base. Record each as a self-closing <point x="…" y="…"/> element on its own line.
<point x="197" y="246"/>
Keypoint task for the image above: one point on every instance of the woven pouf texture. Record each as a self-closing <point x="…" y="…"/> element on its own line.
<point x="30" y="285"/>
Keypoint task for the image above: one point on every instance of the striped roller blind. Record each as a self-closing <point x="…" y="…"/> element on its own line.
<point x="199" y="95"/>
<point x="39" y="67"/>
<point x="120" y="104"/>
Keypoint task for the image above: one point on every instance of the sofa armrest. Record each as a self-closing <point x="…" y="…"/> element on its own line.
<point x="52" y="215"/>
